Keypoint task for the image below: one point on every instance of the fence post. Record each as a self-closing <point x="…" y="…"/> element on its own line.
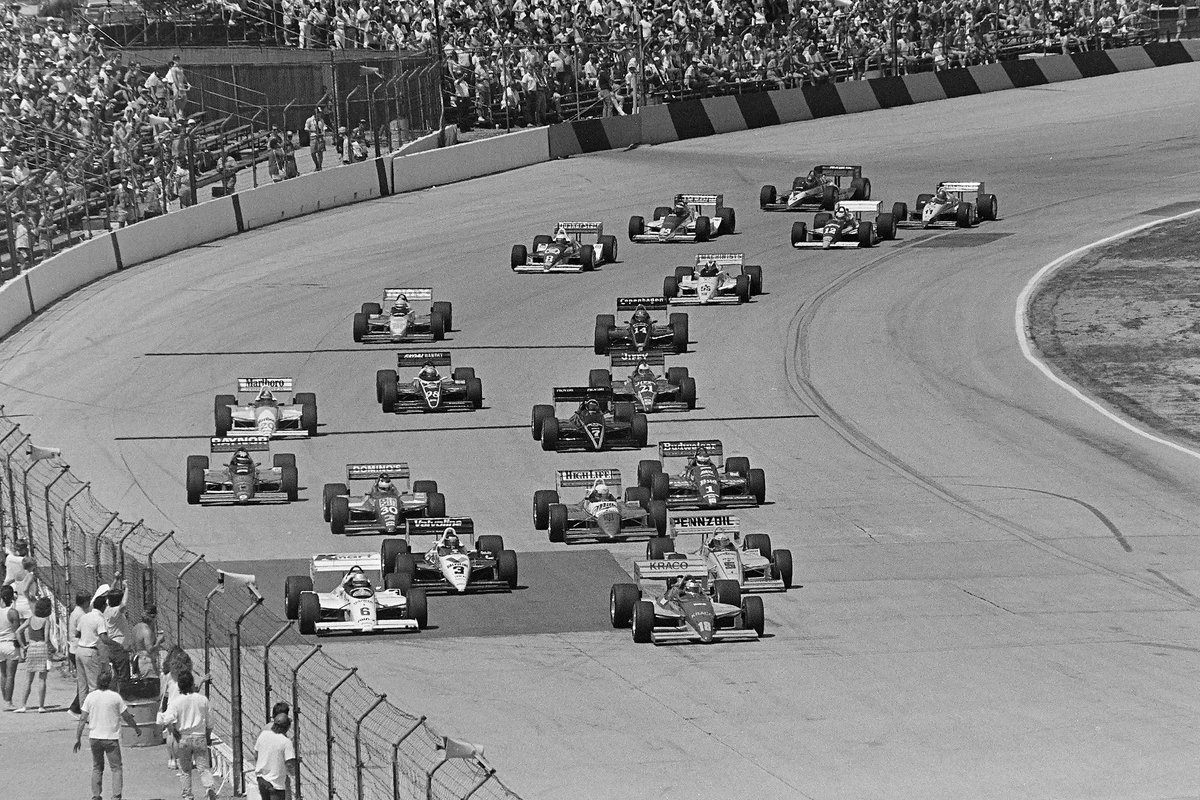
<point x="67" y="540"/>
<point x="358" y="764"/>
<point x="3" y="529"/>
<point x="96" y="544"/>
<point x="121" y="544"/>
<point x="396" y="757"/>
<point x="28" y="511"/>
<point x="329" y="730"/>
<point x="49" y="520"/>
<point x="12" y="486"/>
<point x="487" y="777"/>
<point x="267" y="663"/>
<point x="207" y="660"/>
<point x="296" y="713"/>
<point x="150" y="598"/>
<point x="429" y="777"/>
<point x="179" y="598"/>
<point x="235" y="693"/>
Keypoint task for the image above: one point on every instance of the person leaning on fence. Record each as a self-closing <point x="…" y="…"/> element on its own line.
<point x="276" y="758"/>
<point x="116" y="618"/>
<point x="187" y="722"/>
<point x="103" y="710"/>
<point x="91" y="647"/>
<point x="23" y="239"/>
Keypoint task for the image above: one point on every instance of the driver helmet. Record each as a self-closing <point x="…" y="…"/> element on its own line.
<point x="702" y="456"/>
<point x="640" y="314"/>
<point x="643" y="369"/>
<point x="400" y="307"/>
<point x="560" y="235"/>
<point x="241" y="455"/>
<point x="812" y="176"/>
<point x="842" y="213"/>
<point x="681" y="208"/>
<point x="720" y="541"/>
<point x="592" y="406"/>
<point x="941" y="195"/>
<point x="384" y="483"/>
<point x="429" y="372"/>
<point x="600" y="488"/>
<point x="690" y="588"/>
<point x="357" y="580"/>
<point x="709" y="269"/>
<point x="450" y="540"/>
<point x="264" y="395"/>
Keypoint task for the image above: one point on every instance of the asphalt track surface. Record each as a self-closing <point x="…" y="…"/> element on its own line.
<point x="1000" y="585"/>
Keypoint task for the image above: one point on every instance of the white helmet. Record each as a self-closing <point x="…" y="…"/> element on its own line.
<point x="600" y="487"/>
<point x="560" y="235"/>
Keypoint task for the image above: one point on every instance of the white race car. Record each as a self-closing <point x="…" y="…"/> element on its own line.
<point x="717" y="279"/>
<point x="455" y="562"/>
<point x="750" y="560"/>
<point x="266" y="415"/>
<point x="948" y="207"/>
<point x="690" y="218"/>
<point x="351" y="602"/>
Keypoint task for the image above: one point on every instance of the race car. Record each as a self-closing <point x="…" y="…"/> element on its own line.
<point x="565" y="250"/>
<point x="674" y="390"/>
<point x="386" y="503"/>
<point x="265" y="415"/>
<point x="596" y="424"/>
<point x="600" y="513"/>
<point x="641" y="332"/>
<point x="750" y="561"/>
<point x="690" y="218"/>
<point x="845" y="227"/>
<point x="429" y="390"/>
<point x="339" y="596"/>
<point x="712" y="282"/>
<point x="822" y="188"/>
<point x="456" y="562"/>
<point x="243" y="480"/>
<point x="707" y="480"/>
<point x="398" y="320"/>
<point x="948" y="207"/>
<point x="693" y="609"/>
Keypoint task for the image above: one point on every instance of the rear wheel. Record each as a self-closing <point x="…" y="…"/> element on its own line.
<point x="541" y="413"/>
<point x="646" y="470"/>
<point x="520" y="255"/>
<point x="658" y="516"/>
<point x="670" y="287"/>
<point x="542" y="500"/>
<point x="829" y="197"/>
<point x="679" y="332"/>
<point x="587" y="257"/>
<point x="753" y="618"/>
<point x="388" y="550"/>
<point x="754" y="272"/>
<point x="435" y="504"/>
<point x="638" y="495"/>
<point x="758" y="541"/>
<point x="339" y="514"/>
<point x="506" y="567"/>
<point x="309" y="612"/>
<point x="360" y="327"/>
<point x="766" y="196"/>
<point x="475" y="392"/>
<point x="687" y="391"/>
<point x="424" y="487"/>
<point x="756" y="482"/>
<point x="782" y="560"/>
<point x="659" y="547"/>
<point x="404" y="568"/>
<point x="399" y="581"/>
<point x="643" y="621"/>
<point x="557" y="523"/>
<point x="900" y="212"/>
<point x="639" y="429"/>
<point x="550" y="434"/>
<point x="799" y="233"/>
<point x="637" y="226"/>
<point x="620" y="604"/>
<point x="290" y="483"/>
<point x="283" y="460"/>
<point x="623" y="412"/>
<point x="727" y="592"/>
<point x="372" y="309"/>
<point x="703" y="229"/>
<point x="676" y="374"/>
<point x="600" y="379"/>
<point x="293" y="587"/>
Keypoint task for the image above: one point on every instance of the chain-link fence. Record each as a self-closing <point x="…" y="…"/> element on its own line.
<point x="351" y="742"/>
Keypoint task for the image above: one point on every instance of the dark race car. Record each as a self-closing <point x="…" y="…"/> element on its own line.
<point x="386" y="503"/>
<point x="948" y="207"/>
<point x="690" y="218"/>
<point x="595" y="424"/>
<point x="404" y="317"/>
<point x="601" y="513"/>
<point x="820" y="189"/>
<point x="455" y="562"/>
<point x="243" y="480"/>
<point x="846" y="227"/>
<point x="641" y="332"/>
<point x="707" y="480"/>
<point x="566" y="251"/>
<point x="636" y="382"/>
<point x="428" y="390"/>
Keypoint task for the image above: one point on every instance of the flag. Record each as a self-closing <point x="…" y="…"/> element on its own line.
<point x="40" y="453"/>
<point x="459" y="749"/>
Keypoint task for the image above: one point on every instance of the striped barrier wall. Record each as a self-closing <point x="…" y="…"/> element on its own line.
<point x="690" y="119"/>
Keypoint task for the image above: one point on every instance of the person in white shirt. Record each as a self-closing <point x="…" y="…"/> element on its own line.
<point x="276" y="758"/>
<point x="10" y="653"/>
<point x="91" y="648"/>
<point x="187" y="721"/>
<point x="103" y="710"/>
<point x="83" y="603"/>
<point x="316" y="127"/>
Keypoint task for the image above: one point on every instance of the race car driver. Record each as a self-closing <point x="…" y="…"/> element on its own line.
<point x="600" y="493"/>
<point x="358" y="585"/>
<point x="709" y="270"/>
<point x="265" y="397"/>
<point x="720" y="541"/>
<point x="640" y="316"/>
<point x="401" y="307"/>
<point x="242" y="463"/>
<point x="429" y="372"/>
<point x="643" y="372"/>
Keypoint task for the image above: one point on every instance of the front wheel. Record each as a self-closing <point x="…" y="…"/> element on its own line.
<point x="541" y="413"/>
<point x="754" y="272"/>
<point x="550" y="434"/>
<point x="637" y="226"/>
<point x="639" y="430"/>
<point x="608" y="248"/>
<point x="799" y="233"/>
<point x="670" y="287"/>
<point x="621" y="601"/>
<point x="557" y="523"/>
<point x="475" y="392"/>
<point x="643" y="621"/>
<point x="767" y="196"/>
<point x="542" y="500"/>
<point x="965" y="216"/>
<point x="703" y="229"/>
<point x="587" y="257"/>
<point x="679" y="332"/>
<point x="753" y="618"/>
<point x="520" y="256"/>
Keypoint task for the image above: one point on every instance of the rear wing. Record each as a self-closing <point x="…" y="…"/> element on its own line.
<point x="438" y="526"/>
<point x="687" y="448"/>
<point x="391" y="295"/>
<point x="704" y="524"/>
<point x="722" y="259"/>
<point x="229" y="444"/>
<point x="342" y="562"/>
<point x="839" y="170"/>
<point x="625" y="358"/>
<point x="577" y="394"/>
<point x="700" y="199"/>
<point x="961" y="186"/>
<point x="668" y="568"/>
<point x="860" y="206"/>
<point x="439" y="358"/>
<point x="581" y="227"/>
<point x="567" y="478"/>
<point x="648" y="303"/>
<point x="274" y="384"/>
<point x="361" y="472"/>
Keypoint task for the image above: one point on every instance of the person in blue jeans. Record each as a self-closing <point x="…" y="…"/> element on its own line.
<point x="276" y="761"/>
<point x="187" y="720"/>
<point x="102" y="712"/>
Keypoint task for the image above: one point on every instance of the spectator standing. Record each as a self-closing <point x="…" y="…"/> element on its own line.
<point x="178" y="87"/>
<point x="316" y="127"/>
<point x="145" y="644"/>
<point x="116" y="619"/>
<point x="90" y="656"/>
<point x="176" y="663"/>
<point x="83" y="602"/>
<point x="36" y="639"/>
<point x="276" y="758"/>
<point x="10" y="649"/>
<point x="22" y="239"/>
<point x="103" y="710"/>
<point x="187" y="720"/>
<point x="229" y="172"/>
<point x="275" y="155"/>
<point x="290" y="170"/>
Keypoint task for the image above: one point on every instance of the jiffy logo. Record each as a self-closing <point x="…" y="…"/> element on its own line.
<point x="719" y="521"/>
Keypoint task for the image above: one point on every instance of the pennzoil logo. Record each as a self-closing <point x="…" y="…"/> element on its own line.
<point x="716" y="521"/>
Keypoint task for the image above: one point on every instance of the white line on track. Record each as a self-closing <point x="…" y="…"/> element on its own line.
<point x="1024" y="337"/>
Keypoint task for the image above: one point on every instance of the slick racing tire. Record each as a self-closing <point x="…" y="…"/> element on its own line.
<point x="659" y="547"/>
<point x="308" y="417"/>
<point x="541" y="413"/>
<point x="623" y="412"/>
<point x="987" y="207"/>
<point x="781" y="566"/>
<point x="766" y="196"/>
<point x="737" y="465"/>
<point x="860" y="189"/>
<point x="490" y="543"/>
<point x="424" y="487"/>
<point x="753" y="618"/>
<point x="550" y="434"/>
<point x="519" y="257"/>
<point x="756" y="482"/>
<point x="437" y="325"/>
<point x="885" y="226"/>
<point x="388" y="396"/>
<point x="223" y="420"/>
<point x="683" y="273"/>
<point x="829" y="197"/>
<point x="727" y="592"/>
<point x="675" y="375"/>
<point x="542" y="500"/>
<point x="293" y="587"/>
<point x="639" y="429"/>
<point x="900" y="212"/>
<point x="437" y="504"/>
<point x="660" y="486"/>
<point x="821" y="220"/>
<point x="339" y="514"/>
<point x="557" y="523"/>
<point x="463" y="373"/>
<point x="309" y="613"/>
<point x="637" y="226"/>
<point x="600" y="343"/>
<point x="687" y="391"/>
<point x="360" y="327"/>
<point x="621" y="601"/>
<point x="658" y="516"/>
<point x="391" y="582"/>
<point x="383" y="379"/>
<point x="417" y="607"/>
<point x="661" y="212"/>
<point x="670" y="287"/>
<point x="643" y="621"/>
<point x="922" y="199"/>
<point x="388" y="550"/>
<point x="195" y="483"/>
<point x="446" y="309"/>
<point x="760" y="542"/>
<point x="224" y="400"/>
<point x="608" y="249"/>
<point x="742" y="288"/>
<point x="799" y="232"/>
<point x="646" y="470"/>
<point x="506" y="567"/>
<point x="372" y="309"/>
<point x="965" y="217"/>
<point x="679" y="332"/>
<point x="541" y="240"/>
<point x="475" y="392"/>
<point x="703" y="229"/>
<point x="754" y="273"/>
<point x="866" y="234"/>
<point x="599" y="379"/>
<point x="587" y="257"/>
<point x="638" y="495"/>
<point x="728" y="221"/>
<point x="290" y="483"/>
<point x="404" y="568"/>
<point x="328" y="492"/>
<point x="284" y="460"/>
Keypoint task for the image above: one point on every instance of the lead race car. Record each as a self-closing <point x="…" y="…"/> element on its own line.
<point x="641" y="332"/>
<point x="690" y="218"/>
<point x="243" y="481"/>
<point x="674" y="390"/>
<point x="429" y="390"/>
<point x="456" y="562"/>
<point x="386" y="503"/>
<point x="399" y="318"/>
<point x="712" y="281"/>
<point x="600" y="514"/>
<point x="339" y="595"/>
<point x="948" y="207"/>
<point x="693" y="609"/>
<point x="596" y="424"/>
<point x="846" y="227"/>
<point x="265" y="415"/>
<point x="566" y="251"/>
<point x="707" y="480"/>
<point x="820" y="189"/>
<point x="750" y="561"/>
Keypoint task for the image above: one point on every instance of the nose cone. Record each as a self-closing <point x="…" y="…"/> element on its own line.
<point x="609" y="523"/>
<point x="711" y="499"/>
<point x="243" y="497"/>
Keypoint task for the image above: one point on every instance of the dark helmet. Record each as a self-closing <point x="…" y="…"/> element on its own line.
<point x="640" y="314"/>
<point x="592" y="406"/>
<point x="702" y="456"/>
<point x="450" y="539"/>
<point x="384" y="482"/>
<point x="691" y="587"/>
<point x="429" y="371"/>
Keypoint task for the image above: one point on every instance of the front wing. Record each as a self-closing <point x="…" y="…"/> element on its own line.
<point x="380" y="626"/>
<point x="379" y="331"/>
<point x="570" y="437"/>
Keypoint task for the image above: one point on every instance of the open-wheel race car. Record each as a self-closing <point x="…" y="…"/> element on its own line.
<point x="953" y="204"/>
<point x="386" y="503"/>
<point x="450" y="558"/>
<point x="428" y="390"/>
<point x="241" y="481"/>
<point x="690" y="218"/>
<point x="565" y="250"/>
<point x="693" y="609"/>
<point x="641" y="332"/>
<point x="820" y="189"/>
<point x="266" y="415"/>
<point x="716" y="279"/>
<point x="596" y="423"/>
<point x="718" y="540"/>
<point x="348" y="593"/>
<point x="848" y="226"/>
<point x="707" y="481"/>
<point x="669" y="389"/>
<point x="600" y="513"/>
<point x="405" y="315"/>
